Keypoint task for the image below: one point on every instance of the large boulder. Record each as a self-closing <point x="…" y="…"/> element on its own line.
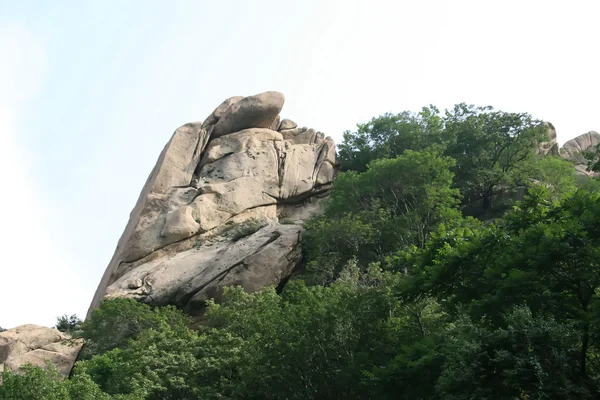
<point x="574" y="150"/>
<point x="576" y="147"/>
<point x="35" y="345"/>
<point x="258" y="111"/>
<point x="223" y="206"/>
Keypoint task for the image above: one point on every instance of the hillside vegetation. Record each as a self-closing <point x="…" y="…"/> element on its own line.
<point x="451" y="261"/>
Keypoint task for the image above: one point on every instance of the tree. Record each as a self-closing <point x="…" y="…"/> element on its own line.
<point x="544" y="255"/>
<point x="489" y="146"/>
<point x="307" y="343"/>
<point x="310" y="342"/>
<point x="555" y="173"/>
<point x="117" y="321"/>
<point x="388" y="136"/>
<point x="395" y="203"/>
<point x="159" y="363"/>
<point x="593" y="159"/>
<point x="526" y="357"/>
<point x="35" y="383"/>
<point x="68" y="324"/>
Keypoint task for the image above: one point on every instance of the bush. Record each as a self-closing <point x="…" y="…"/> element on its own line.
<point x="117" y="321"/>
<point x="245" y="229"/>
<point x="68" y="324"/>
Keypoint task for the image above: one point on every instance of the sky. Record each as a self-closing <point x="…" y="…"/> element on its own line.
<point x="90" y="92"/>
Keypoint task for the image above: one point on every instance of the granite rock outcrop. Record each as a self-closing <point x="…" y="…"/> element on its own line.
<point x="224" y="205"/>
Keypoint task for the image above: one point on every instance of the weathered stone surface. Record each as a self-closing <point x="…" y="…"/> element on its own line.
<point x="33" y="344"/>
<point x="164" y="190"/>
<point x="575" y="147"/>
<point x="258" y="111"/>
<point x="189" y="278"/>
<point x="213" y="220"/>
<point x="275" y="125"/>
<point x="287" y="124"/>
<point x="219" y="111"/>
<point x="550" y="147"/>
<point x="574" y="150"/>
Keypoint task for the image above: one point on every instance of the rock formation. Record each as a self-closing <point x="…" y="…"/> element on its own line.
<point x="550" y="147"/>
<point x="575" y="148"/>
<point x="224" y="205"/>
<point x="33" y="344"/>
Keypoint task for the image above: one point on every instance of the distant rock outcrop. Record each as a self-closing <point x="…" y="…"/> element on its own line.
<point x="223" y="206"/>
<point x="33" y="344"/>
<point x="550" y="147"/>
<point x="575" y="149"/>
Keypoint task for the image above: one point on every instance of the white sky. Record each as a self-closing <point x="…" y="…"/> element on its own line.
<point x="91" y="91"/>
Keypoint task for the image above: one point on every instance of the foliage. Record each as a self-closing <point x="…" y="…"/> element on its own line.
<point x="388" y="136"/>
<point x="245" y="229"/>
<point x="68" y="324"/>
<point x="158" y="364"/>
<point x="526" y="357"/>
<point x="555" y="173"/>
<point x="593" y="159"/>
<point x="489" y="146"/>
<point x="118" y="320"/>
<point x="35" y="383"/>
<point x="309" y="343"/>
<point x="544" y="254"/>
<point x="395" y="203"/>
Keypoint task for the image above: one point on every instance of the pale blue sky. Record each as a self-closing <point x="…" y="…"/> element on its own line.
<point x="91" y="91"/>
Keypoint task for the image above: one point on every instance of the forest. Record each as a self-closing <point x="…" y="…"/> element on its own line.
<point x="452" y="260"/>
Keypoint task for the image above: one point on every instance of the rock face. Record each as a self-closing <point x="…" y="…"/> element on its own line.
<point x="33" y="344"/>
<point x="574" y="149"/>
<point x="550" y="147"/>
<point x="224" y="205"/>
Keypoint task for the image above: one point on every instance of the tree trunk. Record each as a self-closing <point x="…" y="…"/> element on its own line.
<point x="585" y="342"/>
<point x="487" y="198"/>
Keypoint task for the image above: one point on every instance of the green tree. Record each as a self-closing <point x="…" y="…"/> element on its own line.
<point x="116" y="321"/>
<point x="310" y="342"/>
<point x="160" y="363"/>
<point x="388" y="136"/>
<point x="555" y="173"/>
<point x="593" y="159"/>
<point x="35" y="383"/>
<point x="307" y="343"/>
<point x="526" y="357"/>
<point x="544" y="254"/>
<point x="68" y="324"/>
<point x="395" y="203"/>
<point x="489" y="146"/>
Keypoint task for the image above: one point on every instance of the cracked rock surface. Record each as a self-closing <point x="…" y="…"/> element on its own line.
<point x="33" y="344"/>
<point x="224" y="205"/>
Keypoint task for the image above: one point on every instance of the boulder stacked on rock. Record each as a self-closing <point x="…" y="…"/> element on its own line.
<point x="223" y="206"/>
<point x="35" y="345"/>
